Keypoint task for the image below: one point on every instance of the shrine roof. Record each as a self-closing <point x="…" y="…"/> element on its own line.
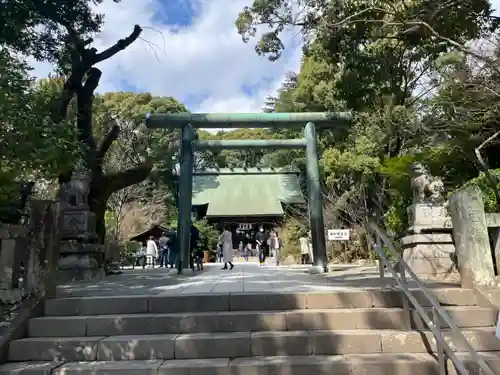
<point x="246" y="191"/>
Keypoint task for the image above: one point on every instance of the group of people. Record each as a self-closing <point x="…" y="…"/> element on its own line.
<point x="264" y="242"/>
<point x="152" y="253"/>
<point x="164" y="252"/>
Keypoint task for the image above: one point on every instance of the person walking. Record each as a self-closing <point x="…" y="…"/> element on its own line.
<point x="262" y="245"/>
<point x="151" y="251"/>
<point x="163" y="250"/>
<point x="304" y="250"/>
<point x="227" y="247"/>
<point x="276" y="246"/>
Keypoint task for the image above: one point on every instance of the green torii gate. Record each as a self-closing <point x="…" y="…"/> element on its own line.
<point x="187" y="122"/>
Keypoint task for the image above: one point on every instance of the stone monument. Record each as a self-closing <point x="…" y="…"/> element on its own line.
<point x="428" y="248"/>
<point x="81" y="255"/>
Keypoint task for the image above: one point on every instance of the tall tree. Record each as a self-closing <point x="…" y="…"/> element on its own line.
<point x="59" y="31"/>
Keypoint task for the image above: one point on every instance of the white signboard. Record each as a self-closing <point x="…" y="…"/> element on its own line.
<point x="245" y="226"/>
<point x="338" y="234"/>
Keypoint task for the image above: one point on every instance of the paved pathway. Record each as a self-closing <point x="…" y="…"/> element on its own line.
<point x="244" y="278"/>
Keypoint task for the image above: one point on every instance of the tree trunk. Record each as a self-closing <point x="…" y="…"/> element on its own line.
<point x="83" y="70"/>
<point x="98" y="207"/>
<point x="102" y="186"/>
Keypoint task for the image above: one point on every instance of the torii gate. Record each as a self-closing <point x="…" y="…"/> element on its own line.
<point x="187" y="122"/>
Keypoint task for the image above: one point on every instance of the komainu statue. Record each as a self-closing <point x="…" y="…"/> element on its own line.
<point x="76" y="191"/>
<point x="426" y="188"/>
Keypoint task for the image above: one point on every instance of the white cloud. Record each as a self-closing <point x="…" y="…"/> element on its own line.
<point x="207" y="59"/>
<point x="496" y="5"/>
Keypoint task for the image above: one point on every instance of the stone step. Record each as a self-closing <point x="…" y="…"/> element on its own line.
<point x="362" y="364"/>
<point x="240" y="344"/>
<point x="247" y="301"/>
<point x="239" y="321"/>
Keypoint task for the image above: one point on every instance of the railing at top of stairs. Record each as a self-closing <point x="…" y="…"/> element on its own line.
<point x="399" y="271"/>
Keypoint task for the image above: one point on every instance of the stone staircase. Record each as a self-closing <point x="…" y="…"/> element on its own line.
<point x="341" y="333"/>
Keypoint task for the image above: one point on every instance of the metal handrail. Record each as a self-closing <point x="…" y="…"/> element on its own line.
<point x="438" y="312"/>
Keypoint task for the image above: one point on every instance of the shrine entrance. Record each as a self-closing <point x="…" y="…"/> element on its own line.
<point x="188" y="122"/>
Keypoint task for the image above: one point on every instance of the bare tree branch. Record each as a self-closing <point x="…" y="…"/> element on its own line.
<point x="82" y="61"/>
<point x="108" y="141"/>
<point x="120" y="180"/>
<point x="118" y="46"/>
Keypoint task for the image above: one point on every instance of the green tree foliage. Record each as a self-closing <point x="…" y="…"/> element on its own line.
<point x="417" y="81"/>
<point x="337" y="25"/>
<point x="490" y="202"/>
<point x="32" y="146"/>
<point x="41" y="28"/>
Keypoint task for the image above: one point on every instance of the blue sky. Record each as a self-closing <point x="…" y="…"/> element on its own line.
<point x="190" y="50"/>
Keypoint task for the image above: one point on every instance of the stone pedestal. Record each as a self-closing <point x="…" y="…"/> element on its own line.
<point x="428" y="217"/>
<point x="429" y="249"/>
<point x="79" y="223"/>
<point x="81" y="257"/>
<point x="430" y="254"/>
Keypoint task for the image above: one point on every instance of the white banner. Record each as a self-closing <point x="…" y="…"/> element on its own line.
<point x="338" y="234"/>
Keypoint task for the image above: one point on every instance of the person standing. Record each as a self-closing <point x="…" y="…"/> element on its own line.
<point x="227" y="247"/>
<point x="140" y="257"/>
<point x="309" y="243"/>
<point x="304" y="250"/>
<point x="151" y="251"/>
<point x="246" y="246"/>
<point x="241" y="249"/>
<point x="172" y="247"/>
<point x="262" y="245"/>
<point x="276" y="245"/>
<point x="220" y="253"/>
<point x="163" y="249"/>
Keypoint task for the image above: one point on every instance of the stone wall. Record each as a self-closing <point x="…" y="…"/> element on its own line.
<point x="13" y="245"/>
<point x="29" y="252"/>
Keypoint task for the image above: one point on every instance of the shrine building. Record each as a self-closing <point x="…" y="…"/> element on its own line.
<point x="245" y="197"/>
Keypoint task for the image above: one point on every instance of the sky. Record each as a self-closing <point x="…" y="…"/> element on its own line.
<point x="190" y="50"/>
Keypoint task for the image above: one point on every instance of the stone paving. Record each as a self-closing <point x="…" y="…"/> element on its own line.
<point x="246" y="277"/>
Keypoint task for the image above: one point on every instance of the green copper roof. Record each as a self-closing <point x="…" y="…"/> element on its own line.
<point x="246" y="192"/>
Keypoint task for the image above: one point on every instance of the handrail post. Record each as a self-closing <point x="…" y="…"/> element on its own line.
<point x="406" y="303"/>
<point x="439" y="347"/>
<point x="381" y="270"/>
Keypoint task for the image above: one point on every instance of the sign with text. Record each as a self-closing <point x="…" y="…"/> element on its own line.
<point x="338" y="234"/>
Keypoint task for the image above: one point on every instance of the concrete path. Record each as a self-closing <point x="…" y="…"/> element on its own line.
<point x="244" y="278"/>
